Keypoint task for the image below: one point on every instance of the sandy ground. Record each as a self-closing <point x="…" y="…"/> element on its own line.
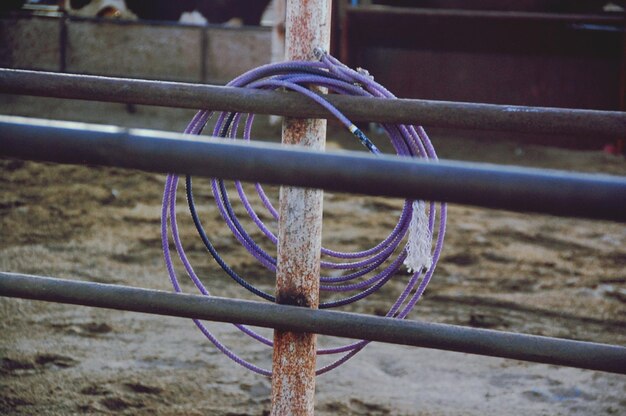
<point x="516" y="272"/>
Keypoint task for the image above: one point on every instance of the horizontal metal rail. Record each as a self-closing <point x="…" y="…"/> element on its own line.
<point x="490" y="186"/>
<point x="521" y="119"/>
<point x="539" y="349"/>
<point x="599" y="19"/>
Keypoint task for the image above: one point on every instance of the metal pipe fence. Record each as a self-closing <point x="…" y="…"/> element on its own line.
<point x="490" y="186"/>
<point x="499" y="187"/>
<point x="533" y="348"/>
<point x="474" y="116"/>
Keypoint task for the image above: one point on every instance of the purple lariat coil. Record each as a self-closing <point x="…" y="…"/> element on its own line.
<point x="418" y="219"/>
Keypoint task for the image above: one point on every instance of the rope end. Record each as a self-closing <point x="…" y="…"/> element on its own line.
<point x="419" y="243"/>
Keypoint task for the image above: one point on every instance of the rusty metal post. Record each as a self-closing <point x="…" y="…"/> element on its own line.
<point x="300" y="228"/>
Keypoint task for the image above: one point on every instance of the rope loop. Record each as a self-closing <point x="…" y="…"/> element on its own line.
<point x="416" y="241"/>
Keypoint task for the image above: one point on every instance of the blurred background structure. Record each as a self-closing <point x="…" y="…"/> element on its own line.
<point x="551" y="53"/>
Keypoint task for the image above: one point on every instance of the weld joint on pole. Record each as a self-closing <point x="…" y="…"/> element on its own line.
<point x="292" y="298"/>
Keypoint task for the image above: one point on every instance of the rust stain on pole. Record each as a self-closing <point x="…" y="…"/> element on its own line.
<point x="300" y="228"/>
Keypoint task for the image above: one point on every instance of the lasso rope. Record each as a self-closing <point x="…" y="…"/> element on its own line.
<point x="418" y="219"/>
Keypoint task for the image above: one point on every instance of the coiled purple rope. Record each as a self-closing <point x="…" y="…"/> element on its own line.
<point x="408" y="140"/>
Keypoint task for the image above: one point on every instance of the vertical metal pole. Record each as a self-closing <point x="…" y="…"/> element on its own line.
<point x="300" y="228"/>
<point x="204" y="50"/>
<point x="63" y="42"/>
<point x="620" y="142"/>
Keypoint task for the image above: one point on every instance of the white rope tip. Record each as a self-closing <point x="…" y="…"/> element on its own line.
<point x="419" y="243"/>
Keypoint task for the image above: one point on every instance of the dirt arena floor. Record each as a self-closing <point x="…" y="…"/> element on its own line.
<point x="525" y="273"/>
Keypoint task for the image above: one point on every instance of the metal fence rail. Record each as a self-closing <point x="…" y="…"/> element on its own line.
<point x="539" y="349"/>
<point x="491" y="186"/>
<point x="521" y="119"/>
<point x="500" y="187"/>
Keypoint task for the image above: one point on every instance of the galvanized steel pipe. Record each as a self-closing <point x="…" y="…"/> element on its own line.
<point x="307" y="26"/>
<point x="474" y="116"/>
<point x="491" y="186"/>
<point x="539" y="349"/>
